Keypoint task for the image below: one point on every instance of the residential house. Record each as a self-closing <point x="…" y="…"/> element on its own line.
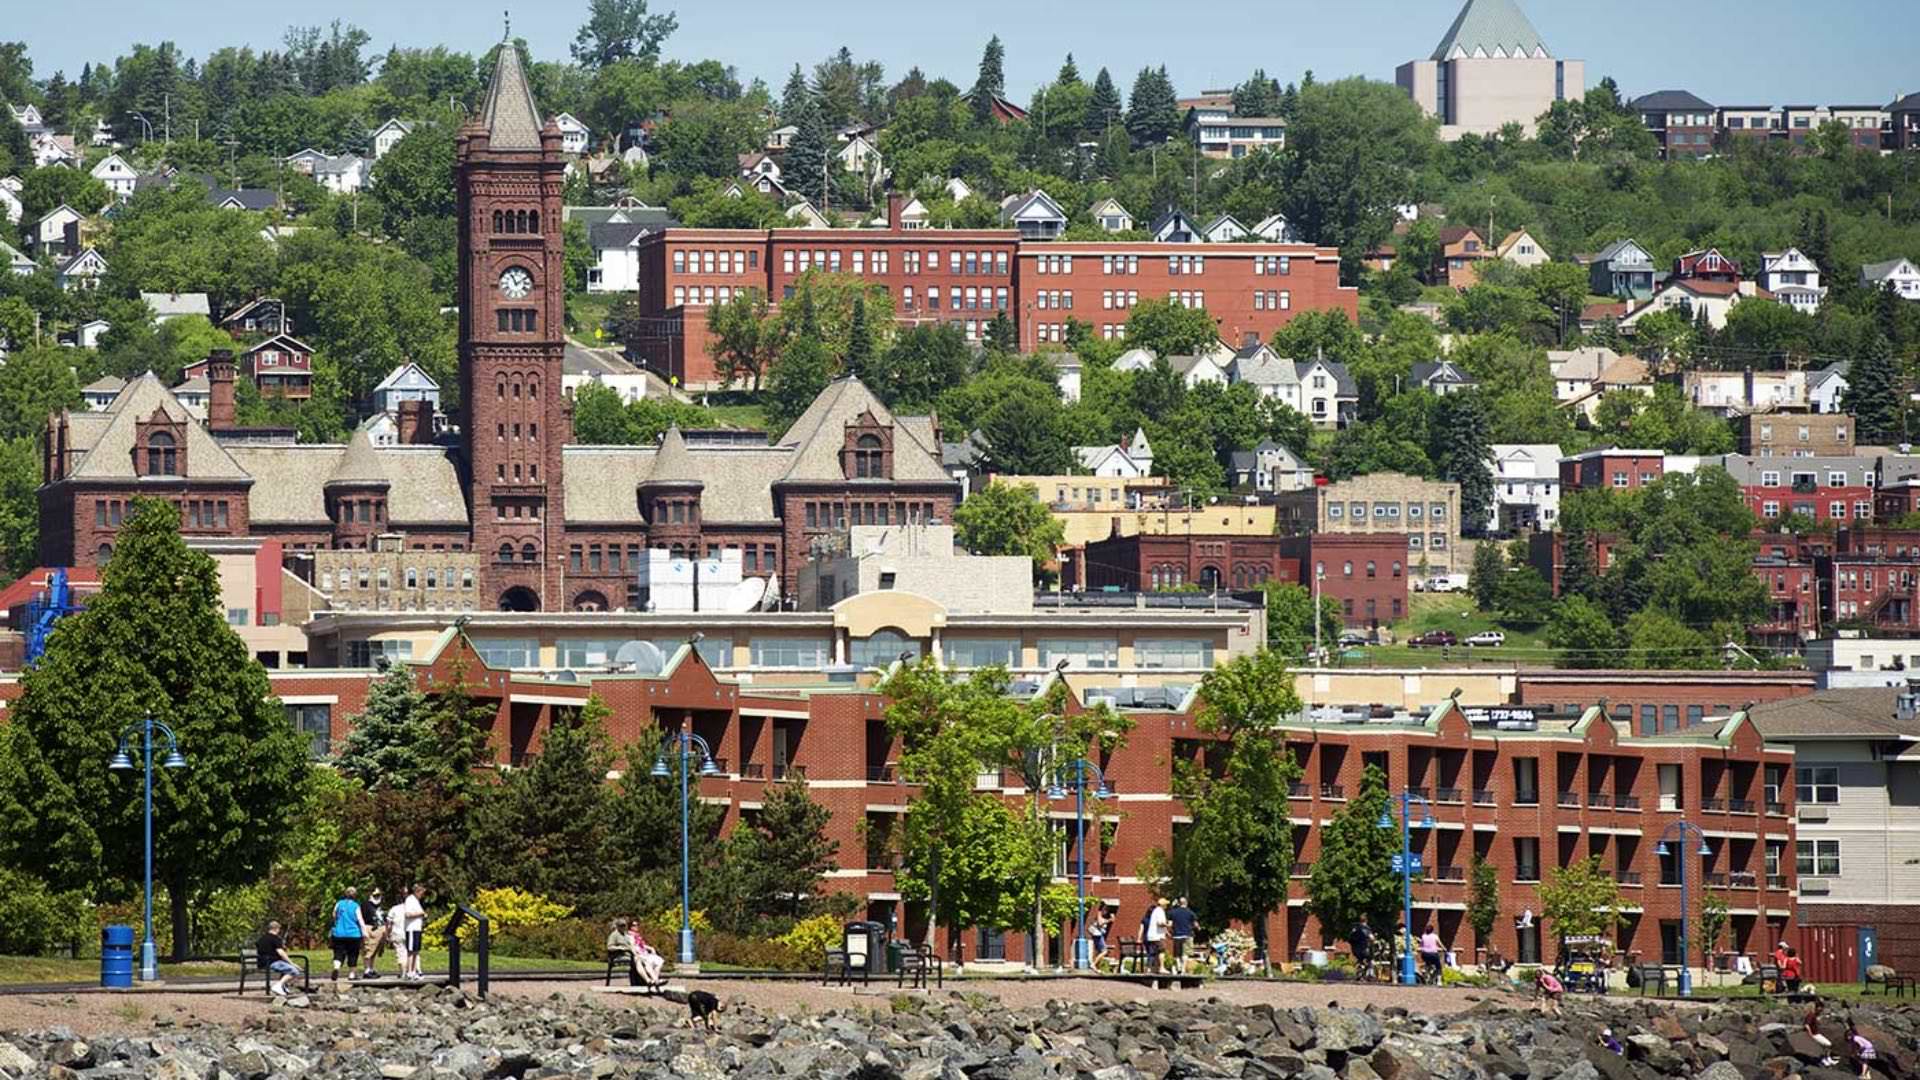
<point x="1692" y="297"/>
<point x="1707" y="265"/>
<point x="119" y="176"/>
<point x="782" y="137"/>
<point x="1066" y="375"/>
<point x="1461" y="246"/>
<point x="387" y="136"/>
<point x="1205" y="120"/>
<point x="1224" y="229"/>
<point x="1682" y="124"/>
<point x="195" y="394"/>
<point x="60" y="233"/>
<point x="574" y="135"/>
<point x="1900" y="275"/>
<point x="805" y="216"/>
<point x="1267" y="371"/>
<point x="1268" y="468"/>
<point x="1490" y="69"/>
<point x="1575" y="371"/>
<point x="256" y="199"/>
<point x="18" y="262"/>
<point x="1521" y="249"/>
<point x="167" y="306"/>
<point x="1442" y="377"/>
<point x="1827" y="387"/>
<point x="1734" y="392"/>
<point x="99" y="394"/>
<point x="766" y="183"/>
<point x="603" y="366"/>
<point x="1526" y="487"/>
<point x="1903" y="123"/>
<point x="281" y="367"/>
<point x="759" y="163"/>
<point x="1111" y="216"/>
<point x="256" y="320"/>
<point x="958" y="190"/>
<point x="1623" y="269"/>
<point x="11" y="208"/>
<point x="616" y="249"/>
<point x="408" y="382"/>
<point x="1174" y="227"/>
<point x="82" y="271"/>
<point x="1247" y="134"/>
<point x="342" y="174"/>
<point x="1035" y="214"/>
<point x="1134" y="359"/>
<point x="1004" y="111"/>
<point x="1328" y="394"/>
<point x="913" y="215"/>
<point x="1616" y="467"/>
<point x="1791" y="434"/>
<point x="1130" y="459"/>
<point x="1594" y="316"/>
<point x="50" y="149"/>
<point x="306" y="160"/>
<point x="1201" y="368"/>
<point x="1831" y="484"/>
<point x="859" y="156"/>
<point x="1793" y="278"/>
<point x="1274" y="228"/>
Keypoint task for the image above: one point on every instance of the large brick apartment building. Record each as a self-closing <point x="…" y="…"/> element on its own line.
<point x="968" y="276"/>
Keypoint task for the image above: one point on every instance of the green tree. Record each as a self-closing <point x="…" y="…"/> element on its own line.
<point x="923" y="361"/>
<point x="600" y="418"/>
<point x="545" y="828"/>
<point x="1258" y="96"/>
<point x="742" y="338"/>
<point x="1483" y="900"/>
<point x="1354" y="150"/>
<point x="1238" y="854"/>
<point x="1010" y="519"/>
<point x="1486" y="575"/>
<point x="154" y="641"/>
<point x="1656" y="640"/>
<point x="20" y="466"/>
<point x="1874" y="390"/>
<point x="1104" y="106"/>
<point x="858" y="359"/>
<point x="1153" y="109"/>
<point x="1525" y="598"/>
<point x="413" y="187"/>
<point x="1462" y="451"/>
<point x="1581" y="900"/>
<point x="1583" y="632"/>
<point x="619" y="30"/>
<point x="1165" y="328"/>
<point x="705" y="137"/>
<point x="1354" y="874"/>
<point x="803" y="370"/>
<point x="991" y="82"/>
<point x="44" y="190"/>
<point x="784" y="853"/>
<point x="1711" y="922"/>
<point x="1026" y="436"/>
<point x="810" y="161"/>
<point x="35" y="383"/>
<point x="1290" y="619"/>
<point x="389" y="741"/>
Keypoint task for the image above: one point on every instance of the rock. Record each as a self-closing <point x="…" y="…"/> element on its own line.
<point x="1347" y="1031"/>
<point x="72" y="1053"/>
<point x="180" y="1065"/>
<point x="1579" y="1070"/>
<point x="1804" y="1047"/>
<point x="1711" y="1044"/>
<point x="1656" y="1051"/>
<point x="247" y="1065"/>
<point x="15" y="1061"/>
<point x="393" y="1071"/>
<point x="1721" y="1070"/>
<point x="1397" y="1064"/>
<point x="1668" y="1028"/>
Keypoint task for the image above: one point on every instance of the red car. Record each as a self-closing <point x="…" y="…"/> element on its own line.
<point x="1433" y="637"/>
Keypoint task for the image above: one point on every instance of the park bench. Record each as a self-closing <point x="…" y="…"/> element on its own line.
<point x="914" y="966"/>
<point x="621" y="960"/>
<point x="250" y="961"/>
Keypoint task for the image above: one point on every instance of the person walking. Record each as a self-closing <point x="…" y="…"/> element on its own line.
<point x="414" y="912"/>
<point x="1430" y="953"/>
<point x="397" y="934"/>
<point x="1097" y="925"/>
<point x="1360" y="940"/>
<point x="1180" y="924"/>
<point x="348" y="934"/>
<point x="374" y="913"/>
<point x="270" y="954"/>
<point x="1154" y="934"/>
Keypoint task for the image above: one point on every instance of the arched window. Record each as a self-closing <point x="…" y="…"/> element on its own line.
<point x="529" y="553"/>
<point x="590" y="600"/>
<point x="867" y="457"/>
<point x="533" y="221"/>
<point x="496" y="221"/>
<point x="162" y="455"/>
<point x="883" y="647"/>
<point x="506" y="552"/>
<point x="103" y="554"/>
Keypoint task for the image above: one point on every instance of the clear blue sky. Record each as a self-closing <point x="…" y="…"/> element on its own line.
<point x="1727" y="51"/>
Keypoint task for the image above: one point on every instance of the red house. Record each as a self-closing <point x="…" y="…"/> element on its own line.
<point x="1707" y="265"/>
<point x="281" y="367"/>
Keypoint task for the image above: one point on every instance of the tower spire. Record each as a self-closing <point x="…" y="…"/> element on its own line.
<point x="508" y="113"/>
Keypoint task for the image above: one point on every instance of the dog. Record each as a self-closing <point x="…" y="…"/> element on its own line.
<point x="702" y="1007"/>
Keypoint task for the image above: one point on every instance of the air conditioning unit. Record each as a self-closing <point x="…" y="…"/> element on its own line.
<point x="1813" y="887"/>
<point x="1813" y="813"/>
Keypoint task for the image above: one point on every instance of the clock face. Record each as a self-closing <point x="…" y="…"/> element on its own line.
<point x="516" y="283"/>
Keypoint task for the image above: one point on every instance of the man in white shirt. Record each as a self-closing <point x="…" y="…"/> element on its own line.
<point x="414" y="914"/>
<point x="1157" y="941"/>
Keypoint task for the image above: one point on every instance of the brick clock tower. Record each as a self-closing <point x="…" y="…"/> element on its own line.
<point x="508" y="174"/>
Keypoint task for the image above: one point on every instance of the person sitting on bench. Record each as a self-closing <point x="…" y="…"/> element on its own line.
<point x="647" y="964"/>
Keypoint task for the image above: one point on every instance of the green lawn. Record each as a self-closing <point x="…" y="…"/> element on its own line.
<point x="588" y="312"/>
<point x="1455" y="612"/>
<point x="740" y="416"/>
<point x="18" y="970"/>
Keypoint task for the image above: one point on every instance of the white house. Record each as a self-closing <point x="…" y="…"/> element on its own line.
<point x="759" y="163"/>
<point x="1328" y="394"/>
<point x="1174" y="227"/>
<point x="1826" y="387"/>
<point x="99" y="393"/>
<point x="1066" y="375"/>
<point x="11" y="208"/>
<point x="50" y="149"/>
<point x="574" y="135"/>
<point x="1224" y="229"/>
<point x="1267" y="372"/>
<point x="342" y="174"/>
<point x="1521" y="249"/>
<point x="1129" y="460"/>
<point x="782" y="137"/>
<point x="1526" y="487"/>
<point x="1574" y="371"/>
<point x="1693" y="296"/>
<point x="1267" y="468"/>
<point x="1110" y="215"/>
<point x="83" y="271"/>
<point x="1203" y="368"/>
<point x="1900" y="274"/>
<point x="805" y="216"/>
<point x="119" y="176"/>
<point x="604" y="366"/>
<point x="408" y="382"/>
<point x="166" y="306"/>
<point x="87" y="335"/>
<point x="387" y="136"/>
<point x="1134" y="359"/>
<point x="616" y="248"/>
<point x="1035" y="214"/>
<point x="859" y="156"/>
<point x="958" y="190"/>
<point x="1792" y="277"/>
<point x="306" y="160"/>
<point x="1275" y="228"/>
<point x="58" y="232"/>
<point x="17" y="261"/>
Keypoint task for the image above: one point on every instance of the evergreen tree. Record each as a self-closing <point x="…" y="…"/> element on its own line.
<point x="1462" y="452"/>
<point x="1354" y="874"/>
<point x="784" y="852"/>
<point x="1104" y="108"/>
<point x="795" y="98"/>
<point x="1258" y="96"/>
<point x="1153" y="109"/>
<point x="859" y="359"/>
<point x="389" y="743"/>
<point x="991" y="82"/>
<point x="1874" y="394"/>
<point x="795" y="380"/>
<point x="154" y="641"/>
<point x="545" y="828"/>
<point x="1000" y="335"/>
<point x="1069" y="73"/>
<point x="809" y="164"/>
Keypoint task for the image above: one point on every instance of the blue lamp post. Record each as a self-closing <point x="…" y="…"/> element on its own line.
<point x="1409" y="973"/>
<point x="684" y="743"/>
<point x="122" y="761"/>
<point x="1080" y="769"/>
<point x="1679" y="831"/>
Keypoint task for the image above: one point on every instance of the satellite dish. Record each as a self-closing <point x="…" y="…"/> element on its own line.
<point x="640" y="657"/>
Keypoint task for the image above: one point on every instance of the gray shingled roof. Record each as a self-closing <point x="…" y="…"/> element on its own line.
<point x="580" y="360"/>
<point x="1490" y="25"/>
<point x="613" y="234"/>
<point x="1670" y="101"/>
<point x="674" y="463"/>
<point x="360" y="464"/>
<point x="601" y="482"/>
<point x="817" y="438"/>
<point x="111" y="455"/>
<point x="289" y="482"/>
<point x="509" y="114"/>
<point x="1833" y="714"/>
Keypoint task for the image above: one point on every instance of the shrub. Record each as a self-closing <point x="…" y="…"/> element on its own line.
<point x="812" y="937"/>
<point x="35" y="919"/>
<point x="505" y="909"/>
<point x="758" y="954"/>
<point x="667" y="920"/>
<point x="561" y="939"/>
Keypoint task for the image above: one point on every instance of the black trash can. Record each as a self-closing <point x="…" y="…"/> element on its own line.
<point x="866" y="944"/>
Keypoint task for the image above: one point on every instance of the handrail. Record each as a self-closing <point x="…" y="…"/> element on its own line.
<point x="482" y="944"/>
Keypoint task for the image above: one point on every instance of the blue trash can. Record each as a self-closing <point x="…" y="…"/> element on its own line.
<point x="116" y="957"/>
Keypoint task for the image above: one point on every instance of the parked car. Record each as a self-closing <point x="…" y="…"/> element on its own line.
<point x="1446" y="583"/>
<point x="1488" y="638"/>
<point x="1433" y="638"/>
<point x="1353" y="639"/>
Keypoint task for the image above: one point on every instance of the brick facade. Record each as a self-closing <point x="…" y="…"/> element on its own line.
<point x="1366" y="573"/>
<point x="1145" y="562"/>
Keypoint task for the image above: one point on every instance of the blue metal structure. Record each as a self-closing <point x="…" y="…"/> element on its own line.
<point x="685" y="743"/>
<point x="122" y="762"/>
<point x="1406" y="867"/>
<point x="1681" y="854"/>
<point x="1080" y="770"/>
<point x="46" y="609"/>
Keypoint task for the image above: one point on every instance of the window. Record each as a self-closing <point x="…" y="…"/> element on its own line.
<point x="1817" y="784"/>
<point x="316" y="723"/>
<point x="162" y="455"/>
<point x="881" y="648"/>
<point x="1080" y="653"/>
<point x="508" y="652"/>
<point x="1194" y="653"/>
<point x="587" y="652"/>
<point x="1817" y="858"/>
<point x="362" y="654"/>
<point x="791" y="652"/>
<point x="981" y="652"/>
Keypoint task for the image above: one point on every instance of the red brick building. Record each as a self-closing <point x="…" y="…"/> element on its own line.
<point x="1366" y="572"/>
<point x="1834" y="490"/>
<point x="1142" y="562"/>
<point x="1612" y="468"/>
<point x="968" y="276"/>
<point x="1658" y="701"/>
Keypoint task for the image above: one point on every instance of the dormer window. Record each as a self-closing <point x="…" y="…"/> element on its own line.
<point x="162" y="455"/>
<point x="868" y="458"/>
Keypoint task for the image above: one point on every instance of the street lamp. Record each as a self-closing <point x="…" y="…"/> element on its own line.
<point x="1409" y="974"/>
<point x="1080" y="769"/>
<point x="1679" y="830"/>
<point x="685" y="741"/>
<point x="122" y="761"/>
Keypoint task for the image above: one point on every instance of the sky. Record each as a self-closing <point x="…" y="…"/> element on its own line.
<point x="1727" y="51"/>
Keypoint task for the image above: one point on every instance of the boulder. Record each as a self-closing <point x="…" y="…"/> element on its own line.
<point x="1347" y="1031"/>
<point x="72" y="1053"/>
<point x="15" y="1061"/>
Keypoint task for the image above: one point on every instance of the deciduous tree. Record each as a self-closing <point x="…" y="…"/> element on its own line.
<point x="1010" y="519"/>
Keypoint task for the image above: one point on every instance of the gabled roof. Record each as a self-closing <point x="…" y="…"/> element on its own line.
<point x="105" y="384"/>
<point x="1580" y="365"/>
<point x="1836" y="370"/>
<point x="286" y="342"/>
<point x="1259" y="365"/>
<point x="1489" y="27"/>
<point x="406" y="374"/>
<point x="1035" y="204"/>
<point x="110" y="457"/>
<point x="638" y="223"/>
<point x="817" y="438"/>
<point x="16" y="259"/>
<point x="1905" y="104"/>
<point x="1428" y="372"/>
<point x="1865" y="714"/>
<point x="1108" y="205"/>
<point x="247" y="308"/>
<point x="509" y="115"/>
<point x="88" y="258"/>
<point x="1670" y="101"/>
<point x="1343" y="384"/>
<point x="1615" y="249"/>
<point x="166" y="305"/>
<point x="1164" y="220"/>
<point x="57" y="211"/>
<point x="1626" y="371"/>
<point x="1881" y="271"/>
<point x="1223" y="220"/>
<point x="405" y="126"/>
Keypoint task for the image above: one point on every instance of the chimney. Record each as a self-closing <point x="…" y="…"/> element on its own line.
<point x="895" y="202"/>
<point x="415" y="421"/>
<point x="220" y="390"/>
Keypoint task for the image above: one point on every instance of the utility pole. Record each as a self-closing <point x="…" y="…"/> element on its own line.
<point x="166" y="107"/>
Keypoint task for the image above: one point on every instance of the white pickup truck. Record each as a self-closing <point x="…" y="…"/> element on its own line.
<point x="1441" y="583"/>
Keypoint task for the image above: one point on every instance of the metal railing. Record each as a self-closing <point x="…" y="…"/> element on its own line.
<point x="1526" y="797"/>
<point x="1600" y="800"/>
<point x="1449" y="873"/>
<point x="1421" y="791"/>
<point x="1333" y="792"/>
<point x="1299" y="790"/>
<point x="1717" y="881"/>
<point x="1300" y="869"/>
<point x="880" y="774"/>
<point x="1740" y="806"/>
<point x="1626" y="802"/>
<point x="1569" y="800"/>
<point x="1742" y="879"/>
<point x="1713" y="806"/>
<point x="1483" y="796"/>
<point x="1776" y="808"/>
<point x="1448" y="795"/>
<point x="1627" y="877"/>
<point x="753" y="770"/>
<point x="789" y="772"/>
<point x="1776" y="881"/>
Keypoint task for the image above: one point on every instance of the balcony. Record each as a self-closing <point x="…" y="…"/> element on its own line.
<point x="1626" y="802"/>
<point x="1448" y="795"/>
<point x="1299" y="789"/>
<point x="1740" y="806"/>
<point x="789" y="772"/>
<point x="753" y="770"/>
<point x="1421" y="792"/>
<point x="1526" y="797"/>
<point x="1629" y="878"/>
<point x="1777" y="881"/>
<point x="1333" y="792"/>
<point x="720" y="763"/>
<point x="883" y="862"/>
<point x="1713" y="806"/>
<point x="1301" y="869"/>
<point x="1717" y="881"/>
<point x="1072" y="867"/>
<point x="1599" y="800"/>
<point x="1449" y="873"/>
<point x="881" y="774"/>
<point x="1742" y="879"/>
<point x="1776" y="809"/>
<point x="1568" y="800"/>
<point x="1483" y="796"/>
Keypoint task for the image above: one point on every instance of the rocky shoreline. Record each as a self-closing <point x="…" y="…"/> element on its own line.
<point x="962" y="1035"/>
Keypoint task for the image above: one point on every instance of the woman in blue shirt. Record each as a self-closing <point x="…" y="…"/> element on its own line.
<point x="349" y="932"/>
